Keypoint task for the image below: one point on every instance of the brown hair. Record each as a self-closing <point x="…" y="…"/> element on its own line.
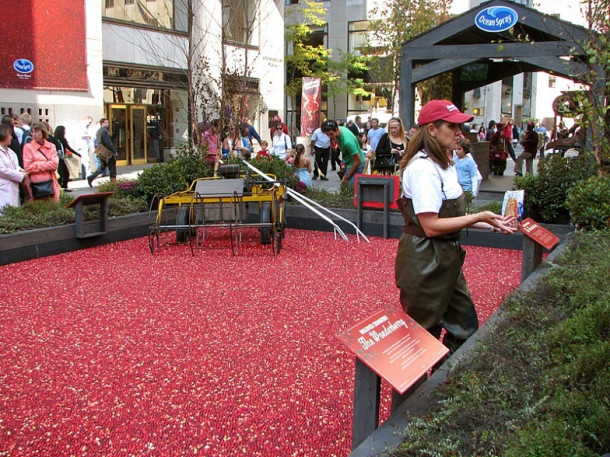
<point x="465" y="144"/>
<point x="40" y="126"/>
<point x="422" y="140"/>
<point x="401" y="129"/>
<point x="299" y="150"/>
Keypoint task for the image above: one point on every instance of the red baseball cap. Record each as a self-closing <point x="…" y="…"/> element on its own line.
<point x="437" y="110"/>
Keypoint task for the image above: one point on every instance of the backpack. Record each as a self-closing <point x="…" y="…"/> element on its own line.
<point x="26" y="137"/>
<point x="61" y="153"/>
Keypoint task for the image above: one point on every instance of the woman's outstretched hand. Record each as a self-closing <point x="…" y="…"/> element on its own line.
<point x="502" y="224"/>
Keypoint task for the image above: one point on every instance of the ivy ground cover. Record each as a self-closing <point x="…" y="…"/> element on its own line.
<point x="110" y="351"/>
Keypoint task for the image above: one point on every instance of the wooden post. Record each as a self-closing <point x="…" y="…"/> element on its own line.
<point x="531" y="257"/>
<point x="367" y="394"/>
<point x="80" y="202"/>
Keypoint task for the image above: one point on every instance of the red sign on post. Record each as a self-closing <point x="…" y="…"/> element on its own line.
<point x="394" y="346"/>
<point x="539" y="234"/>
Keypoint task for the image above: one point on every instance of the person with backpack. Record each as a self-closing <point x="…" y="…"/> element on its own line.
<point x="23" y="131"/>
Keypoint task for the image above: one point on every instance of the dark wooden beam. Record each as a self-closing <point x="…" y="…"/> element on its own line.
<point x="438" y="67"/>
<point x="491" y="51"/>
<point x="567" y="68"/>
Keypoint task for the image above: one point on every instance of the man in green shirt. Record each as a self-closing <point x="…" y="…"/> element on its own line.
<point x="351" y="152"/>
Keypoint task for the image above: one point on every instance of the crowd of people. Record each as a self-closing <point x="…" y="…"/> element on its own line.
<point x="350" y="149"/>
<point x="37" y="161"/>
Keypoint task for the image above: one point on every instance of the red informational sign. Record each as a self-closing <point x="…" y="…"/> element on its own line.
<point x="394" y="346"/>
<point x="539" y="234"/>
<point x="43" y="45"/>
<point x="310" y="105"/>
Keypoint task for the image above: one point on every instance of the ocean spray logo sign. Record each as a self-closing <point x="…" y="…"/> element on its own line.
<point x="496" y="19"/>
<point x="23" y="66"/>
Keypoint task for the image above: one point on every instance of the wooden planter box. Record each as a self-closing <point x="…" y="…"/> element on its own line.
<point x="32" y="244"/>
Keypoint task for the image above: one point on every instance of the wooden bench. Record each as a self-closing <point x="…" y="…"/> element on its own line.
<point x="81" y="201"/>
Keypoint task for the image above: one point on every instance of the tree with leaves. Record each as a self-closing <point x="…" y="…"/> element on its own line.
<point x="594" y="105"/>
<point x="398" y="21"/>
<point x="216" y="58"/>
<point x="340" y="75"/>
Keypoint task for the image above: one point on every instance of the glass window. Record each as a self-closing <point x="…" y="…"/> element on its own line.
<point x="240" y="21"/>
<point x="167" y="14"/>
<point x="357" y="35"/>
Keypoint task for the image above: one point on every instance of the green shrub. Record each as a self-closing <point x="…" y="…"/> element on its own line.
<point x="494" y="207"/>
<point x="546" y="192"/>
<point x="539" y="383"/>
<point x="36" y="214"/>
<point x="283" y="171"/>
<point x="342" y="199"/>
<point x="43" y="214"/>
<point x="589" y="203"/>
<point x="176" y="174"/>
<point x="121" y="187"/>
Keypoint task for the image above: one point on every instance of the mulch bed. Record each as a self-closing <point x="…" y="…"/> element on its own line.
<point x="111" y="351"/>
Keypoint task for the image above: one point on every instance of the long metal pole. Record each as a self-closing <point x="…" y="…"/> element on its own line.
<point x="308" y="204"/>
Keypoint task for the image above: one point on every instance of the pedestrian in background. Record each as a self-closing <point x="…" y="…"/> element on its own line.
<point x="40" y="160"/>
<point x="103" y="137"/>
<point x="320" y="150"/>
<point x="11" y="174"/>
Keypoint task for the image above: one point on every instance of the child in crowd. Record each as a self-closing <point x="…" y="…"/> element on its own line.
<point x="466" y="168"/>
<point x="264" y="152"/>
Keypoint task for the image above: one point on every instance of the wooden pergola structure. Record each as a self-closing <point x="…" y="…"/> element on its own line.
<point x="536" y="42"/>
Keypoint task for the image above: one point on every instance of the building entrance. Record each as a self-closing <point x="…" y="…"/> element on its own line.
<point x="129" y="134"/>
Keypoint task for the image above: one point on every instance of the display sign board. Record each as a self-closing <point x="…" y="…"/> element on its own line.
<point x="539" y="234"/>
<point x="394" y="346"/>
<point x="311" y="97"/>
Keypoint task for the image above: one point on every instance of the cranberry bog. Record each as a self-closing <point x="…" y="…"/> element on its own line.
<point x="111" y="351"/>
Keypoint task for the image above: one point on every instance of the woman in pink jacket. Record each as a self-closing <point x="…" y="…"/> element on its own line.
<point x="40" y="158"/>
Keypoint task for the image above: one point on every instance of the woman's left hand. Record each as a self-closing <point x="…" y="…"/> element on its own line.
<point x="502" y="224"/>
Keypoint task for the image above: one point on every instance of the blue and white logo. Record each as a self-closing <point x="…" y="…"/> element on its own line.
<point x="496" y="19"/>
<point x="23" y="66"/>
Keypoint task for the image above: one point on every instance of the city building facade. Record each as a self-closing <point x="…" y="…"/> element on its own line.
<point x="152" y="67"/>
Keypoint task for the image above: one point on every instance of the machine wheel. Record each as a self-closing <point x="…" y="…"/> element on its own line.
<point x="278" y="241"/>
<point x="265" y="217"/>
<point x="183" y="218"/>
<point x="153" y="241"/>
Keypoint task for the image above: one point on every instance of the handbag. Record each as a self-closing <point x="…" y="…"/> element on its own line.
<point x="384" y="162"/>
<point x="103" y="152"/>
<point x="42" y="189"/>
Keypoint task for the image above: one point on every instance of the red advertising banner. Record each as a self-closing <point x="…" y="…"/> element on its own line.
<point x="310" y="105"/>
<point x="43" y="45"/>
<point x="539" y="234"/>
<point x="394" y="346"/>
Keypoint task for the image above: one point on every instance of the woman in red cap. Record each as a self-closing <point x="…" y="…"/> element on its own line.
<point x="429" y="260"/>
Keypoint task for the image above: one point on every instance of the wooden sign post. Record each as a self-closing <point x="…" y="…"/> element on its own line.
<point x="536" y="238"/>
<point x="391" y="345"/>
